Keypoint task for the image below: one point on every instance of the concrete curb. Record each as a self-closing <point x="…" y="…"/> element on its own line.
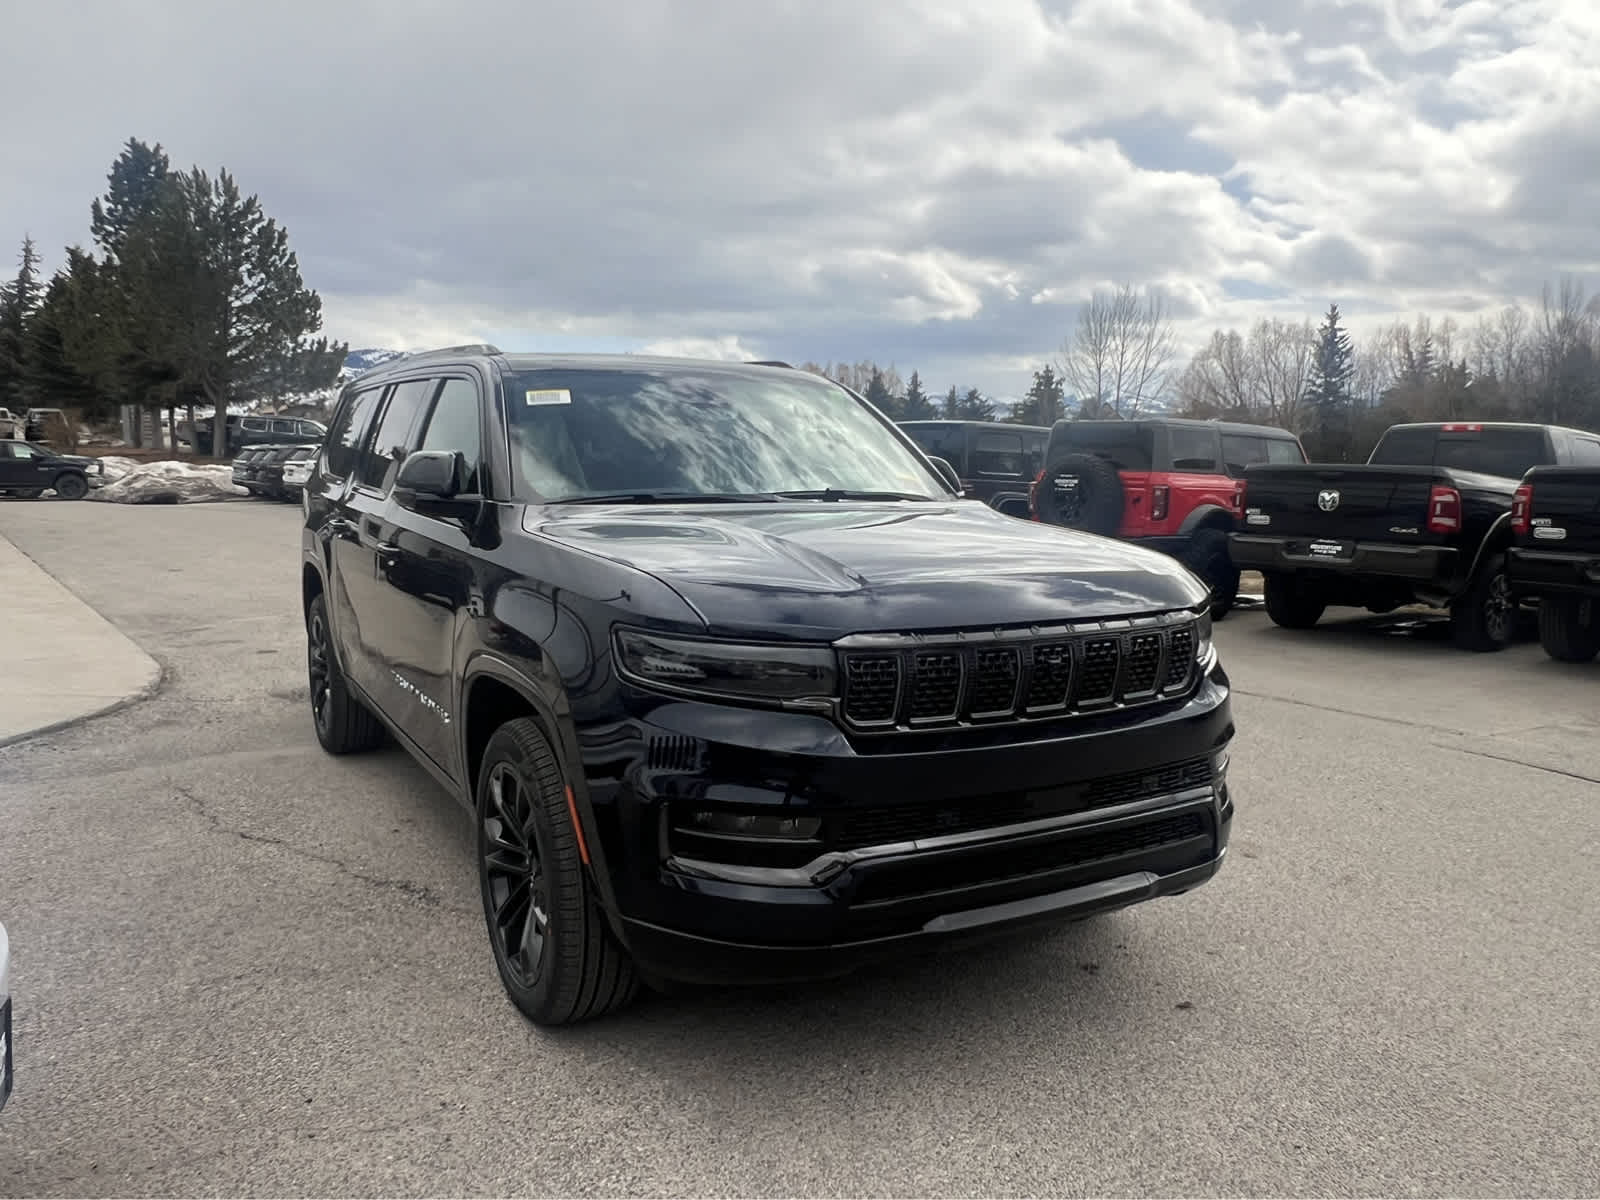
<point x="71" y="665"/>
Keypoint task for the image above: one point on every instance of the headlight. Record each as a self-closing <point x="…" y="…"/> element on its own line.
<point x="735" y="670"/>
<point x="1202" y="638"/>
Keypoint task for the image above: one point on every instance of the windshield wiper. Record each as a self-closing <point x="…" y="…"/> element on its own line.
<point x="668" y="498"/>
<point x="848" y="494"/>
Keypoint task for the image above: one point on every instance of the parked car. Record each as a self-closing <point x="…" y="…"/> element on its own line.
<point x="995" y="461"/>
<point x="735" y="685"/>
<point x="254" y="431"/>
<point x="7" y="1067"/>
<point x="29" y="470"/>
<point x="1168" y="483"/>
<point x="38" y="423"/>
<point x="260" y="469"/>
<point x="11" y="426"/>
<point x="1426" y="520"/>
<point x="1554" y="557"/>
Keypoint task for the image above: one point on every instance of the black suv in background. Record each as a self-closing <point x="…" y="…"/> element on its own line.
<point x="995" y="460"/>
<point x="735" y="686"/>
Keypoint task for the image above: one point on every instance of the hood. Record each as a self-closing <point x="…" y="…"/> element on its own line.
<point x="825" y="569"/>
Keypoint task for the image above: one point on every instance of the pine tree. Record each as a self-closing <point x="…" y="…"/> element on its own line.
<point x="879" y="396"/>
<point x="52" y="370"/>
<point x="19" y="304"/>
<point x="952" y="404"/>
<point x="975" y="406"/>
<point x="222" y="308"/>
<point x="918" y="407"/>
<point x="1043" y="405"/>
<point x="1328" y="390"/>
<point x="133" y="191"/>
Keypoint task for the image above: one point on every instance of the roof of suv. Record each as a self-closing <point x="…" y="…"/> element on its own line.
<point x="1271" y="431"/>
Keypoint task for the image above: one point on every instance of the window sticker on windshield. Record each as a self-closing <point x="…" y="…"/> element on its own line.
<point x="549" y="396"/>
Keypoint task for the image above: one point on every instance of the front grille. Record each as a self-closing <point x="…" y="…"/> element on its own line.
<point x="1001" y="676"/>
<point x="883" y="824"/>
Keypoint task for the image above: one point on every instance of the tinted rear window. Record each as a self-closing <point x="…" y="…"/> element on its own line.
<point x="1130" y="447"/>
<point x="1241" y="450"/>
<point x="1505" y="452"/>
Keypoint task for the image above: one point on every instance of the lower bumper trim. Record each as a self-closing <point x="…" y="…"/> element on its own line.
<point x="688" y="958"/>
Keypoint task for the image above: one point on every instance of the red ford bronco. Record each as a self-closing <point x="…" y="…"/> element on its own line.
<point x="1172" y="484"/>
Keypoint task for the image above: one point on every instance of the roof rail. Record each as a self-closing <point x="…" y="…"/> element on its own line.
<point x="767" y="362"/>
<point x="442" y="351"/>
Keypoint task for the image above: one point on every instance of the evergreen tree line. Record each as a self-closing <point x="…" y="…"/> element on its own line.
<point x="910" y="400"/>
<point x="1339" y="395"/>
<point x="191" y="296"/>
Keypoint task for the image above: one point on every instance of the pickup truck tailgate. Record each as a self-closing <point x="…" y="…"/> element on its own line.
<point x="1354" y="503"/>
<point x="1566" y="499"/>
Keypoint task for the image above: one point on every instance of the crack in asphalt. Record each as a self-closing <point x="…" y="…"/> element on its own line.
<point x="1517" y="762"/>
<point x="416" y="891"/>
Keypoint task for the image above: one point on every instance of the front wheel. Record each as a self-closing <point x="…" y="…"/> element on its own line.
<point x="1207" y="556"/>
<point x="71" y="486"/>
<point x="1289" y="605"/>
<point x="556" y="955"/>
<point x="1485" y="618"/>
<point x="1568" y="628"/>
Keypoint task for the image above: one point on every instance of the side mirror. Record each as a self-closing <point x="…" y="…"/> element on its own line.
<point x="429" y="482"/>
<point x="949" y="473"/>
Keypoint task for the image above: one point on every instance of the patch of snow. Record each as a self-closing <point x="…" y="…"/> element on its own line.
<point x="169" y="482"/>
<point x="117" y="466"/>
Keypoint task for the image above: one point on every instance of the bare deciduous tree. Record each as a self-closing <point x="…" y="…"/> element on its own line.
<point x="1259" y="378"/>
<point x="1119" y="354"/>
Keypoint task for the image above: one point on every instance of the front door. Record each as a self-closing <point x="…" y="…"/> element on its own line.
<point x="426" y="568"/>
<point x="21" y="466"/>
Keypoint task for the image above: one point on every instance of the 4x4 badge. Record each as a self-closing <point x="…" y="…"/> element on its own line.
<point x="1328" y="500"/>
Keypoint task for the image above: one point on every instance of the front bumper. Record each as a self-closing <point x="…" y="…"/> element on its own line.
<point x="944" y="845"/>
<point x="1288" y="555"/>
<point x="1568" y="572"/>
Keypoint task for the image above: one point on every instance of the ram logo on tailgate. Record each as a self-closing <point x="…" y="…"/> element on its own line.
<point x="1328" y="500"/>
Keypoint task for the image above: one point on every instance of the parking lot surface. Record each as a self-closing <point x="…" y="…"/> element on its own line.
<point x="241" y="966"/>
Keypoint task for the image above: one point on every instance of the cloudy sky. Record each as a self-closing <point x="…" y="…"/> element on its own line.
<point x="932" y="183"/>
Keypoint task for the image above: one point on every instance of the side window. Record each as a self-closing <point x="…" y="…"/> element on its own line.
<point x="1585" y="451"/>
<point x="998" y="454"/>
<point x="254" y="424"/>
<point x="1282" y="450"/>
<point x="1242" y="450"/>
<point x="310" y="429"/>
<point x="948" y="442"/>
<point x="349" y="431"/>
<point x="454" y="424"/>
<point x="290" y="428"/>
<point x="1405" y="447"/>
<point x="391" y="440"/>
<point x="1192" y="449"/>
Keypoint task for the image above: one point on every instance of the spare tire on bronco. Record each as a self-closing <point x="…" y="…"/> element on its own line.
<point x="1081" y="491"/>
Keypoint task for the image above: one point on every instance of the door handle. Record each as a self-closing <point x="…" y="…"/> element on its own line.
<point x="387" y="550"/>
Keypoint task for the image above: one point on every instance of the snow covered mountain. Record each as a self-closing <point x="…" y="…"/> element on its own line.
<point x="358" y="361"/>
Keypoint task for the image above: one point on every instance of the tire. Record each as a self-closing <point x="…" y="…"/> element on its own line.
<point x="1484" y="619"/>
<point x="344" y="725"/>
<point x="527" y="846"/>
<point x="1207" y="556"/>
<point x="1094" y="501"/>
<point x="1290" y="605"/>
<point x="69" y="485"/>
<point x="1569" y="628"/>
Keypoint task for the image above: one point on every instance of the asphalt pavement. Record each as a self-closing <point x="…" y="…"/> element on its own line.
<point x="242" y="967"/>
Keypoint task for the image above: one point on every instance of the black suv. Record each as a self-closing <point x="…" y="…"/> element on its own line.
<point x="996" y="461"/>
<point x="736" y="688"/>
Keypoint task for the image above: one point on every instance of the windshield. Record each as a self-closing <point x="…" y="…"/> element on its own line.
<point x="700" y="432"/>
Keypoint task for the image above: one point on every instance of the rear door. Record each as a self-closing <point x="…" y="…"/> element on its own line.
<point x="24" y="466"/>
<point x="999" y="463"/>
<point x="367" y="510"/>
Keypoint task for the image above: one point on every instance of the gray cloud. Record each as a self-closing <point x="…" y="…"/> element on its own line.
<point x="927" y="183"/>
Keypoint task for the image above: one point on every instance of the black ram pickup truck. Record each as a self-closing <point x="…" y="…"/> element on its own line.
<point x="1555" y="556"/>
<point x="734" y="684"/>
<point x="1426" y="520"/>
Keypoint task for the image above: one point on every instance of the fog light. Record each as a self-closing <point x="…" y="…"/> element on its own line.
<point x="752" y="826"/>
